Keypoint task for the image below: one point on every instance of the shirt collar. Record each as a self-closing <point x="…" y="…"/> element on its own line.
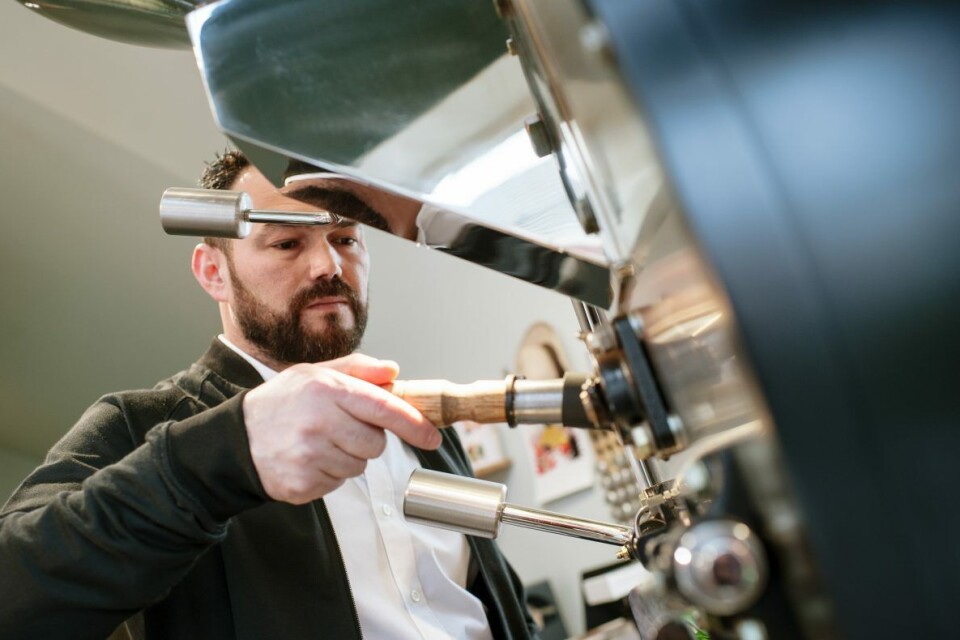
<point x="265" y="372"/>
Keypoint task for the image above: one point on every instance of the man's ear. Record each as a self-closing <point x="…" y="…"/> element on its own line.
<point x="210" y="269"/>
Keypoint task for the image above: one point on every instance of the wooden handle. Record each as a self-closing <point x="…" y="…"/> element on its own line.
<point x="442" y="402"/>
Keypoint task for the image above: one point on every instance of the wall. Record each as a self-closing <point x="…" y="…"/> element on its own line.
<point x="14" y="467"/>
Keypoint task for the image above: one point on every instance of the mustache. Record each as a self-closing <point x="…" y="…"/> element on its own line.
<point x="334" y="287"/>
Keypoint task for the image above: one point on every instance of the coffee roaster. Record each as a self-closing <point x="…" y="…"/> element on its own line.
<point x="754" y="207"/>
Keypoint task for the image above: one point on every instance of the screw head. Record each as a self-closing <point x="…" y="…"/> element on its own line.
<point x="539" y="137"/>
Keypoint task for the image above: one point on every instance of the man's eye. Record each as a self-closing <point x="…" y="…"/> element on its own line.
<point x="286" y="245"/>
<point x="346" y="241"/>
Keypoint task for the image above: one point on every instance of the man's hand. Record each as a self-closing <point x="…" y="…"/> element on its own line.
<point x="315" y="425"/>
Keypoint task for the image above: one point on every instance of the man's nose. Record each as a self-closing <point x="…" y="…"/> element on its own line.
<point x="324" y="260"/>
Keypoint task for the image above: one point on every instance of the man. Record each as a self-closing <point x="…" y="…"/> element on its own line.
<point x="218" y="505"/>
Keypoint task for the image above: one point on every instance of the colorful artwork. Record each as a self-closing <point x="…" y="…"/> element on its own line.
<point x="562" y="460"/>
<point x="552" y="446"/>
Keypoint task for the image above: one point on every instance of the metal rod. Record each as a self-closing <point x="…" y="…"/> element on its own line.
<point x="588" y="315"/>
<point x="580" y="308"/>
<point x="291" y="217"/>
<point x="648" y="474"/>
<point x="567" y="525"/>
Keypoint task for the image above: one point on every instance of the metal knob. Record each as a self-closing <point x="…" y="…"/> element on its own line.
<point x="721" y="566"/>
<point x="205" y="212"/>
<point x="470" y="506"/>
<point x="224" y="214"/>
<point x="477" y="507"/>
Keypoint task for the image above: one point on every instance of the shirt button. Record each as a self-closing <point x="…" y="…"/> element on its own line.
<point x="387" y="510"/>
<point x="416" y="596"/>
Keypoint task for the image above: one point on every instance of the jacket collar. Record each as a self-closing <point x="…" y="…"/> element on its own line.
<point x="224" y="362"/>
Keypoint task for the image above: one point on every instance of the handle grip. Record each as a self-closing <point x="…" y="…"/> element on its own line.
<point x="443" y="402"/>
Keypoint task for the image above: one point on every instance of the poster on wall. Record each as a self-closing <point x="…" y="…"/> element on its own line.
<point x="562" y="460"/>
<point x="482" y="445"/>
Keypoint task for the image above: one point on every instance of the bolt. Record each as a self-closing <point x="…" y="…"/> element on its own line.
<point x="625" y="269"/>
<point x="511" y="46"/>
<point x="539" y="137"/>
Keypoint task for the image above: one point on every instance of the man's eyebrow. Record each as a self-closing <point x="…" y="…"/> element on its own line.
<point x="310" y="193"/>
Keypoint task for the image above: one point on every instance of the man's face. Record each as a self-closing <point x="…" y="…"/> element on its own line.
<point x="299" y="294"/>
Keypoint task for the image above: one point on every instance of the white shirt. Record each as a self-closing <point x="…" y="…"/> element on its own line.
<point x="408" y="580"/>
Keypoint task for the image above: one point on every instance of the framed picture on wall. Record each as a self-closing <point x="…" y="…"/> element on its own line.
<point x="562" y="460"/>
<point x="483" y="445"/>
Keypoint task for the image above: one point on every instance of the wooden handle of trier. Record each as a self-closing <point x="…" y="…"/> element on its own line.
<point x="443" y="402"/>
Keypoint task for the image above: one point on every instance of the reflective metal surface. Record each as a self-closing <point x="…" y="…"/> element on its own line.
<point x="538" y="401"/>
<point x="689" y="333"/>
<point x="606" y="157"/>
<point x="721" y="566"/>
<point x="565" y="525"/>
<point x="467" y="505"/>
<point x="423" y="100"/>
<point x="203" y="212"/>
<point x="516" y="255"/>
<point x="156" y="23"/>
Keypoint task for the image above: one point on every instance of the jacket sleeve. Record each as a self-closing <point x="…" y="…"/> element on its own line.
<point x="102" y="529"/>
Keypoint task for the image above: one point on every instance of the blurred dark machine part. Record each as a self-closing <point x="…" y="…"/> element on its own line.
<point x="757" y="205"/>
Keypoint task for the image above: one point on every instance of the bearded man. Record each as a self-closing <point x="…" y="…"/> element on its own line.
<point x="256" y="494"/>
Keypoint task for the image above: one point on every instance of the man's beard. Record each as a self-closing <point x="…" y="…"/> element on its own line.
<point x="283" y="337"/>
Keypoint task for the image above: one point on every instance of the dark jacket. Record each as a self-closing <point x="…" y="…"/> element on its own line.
<point x="149" y="516"/>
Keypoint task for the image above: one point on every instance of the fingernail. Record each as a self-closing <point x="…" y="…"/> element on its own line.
<point x="436" y="438"/>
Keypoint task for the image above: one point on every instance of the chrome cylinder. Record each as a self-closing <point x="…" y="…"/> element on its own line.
<point x="538" y="401"/>
<point x="205" y="212"/>
<point x="470" y="506"/>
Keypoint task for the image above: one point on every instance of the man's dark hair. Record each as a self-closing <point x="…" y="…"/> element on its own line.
<point x="223" y="171"/>
<point x="221" y="174"/>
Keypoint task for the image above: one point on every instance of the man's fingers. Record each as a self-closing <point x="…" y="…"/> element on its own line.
<point x="380" y="408"/>
<point x="338" y="464"/>
<point x="359" y="439"/>
<point x="366" y="368"/>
